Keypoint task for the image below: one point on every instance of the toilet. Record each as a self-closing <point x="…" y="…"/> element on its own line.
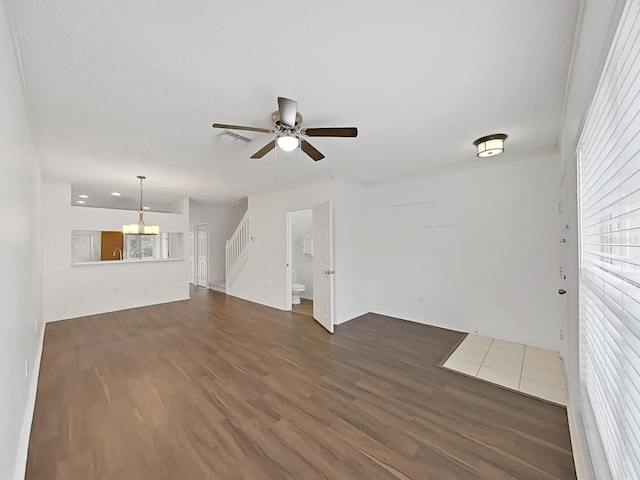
<point x="296" y="291"/>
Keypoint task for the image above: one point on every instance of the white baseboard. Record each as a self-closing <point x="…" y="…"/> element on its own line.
<point x="23" y="446"/>
<point x="581" y="458"/>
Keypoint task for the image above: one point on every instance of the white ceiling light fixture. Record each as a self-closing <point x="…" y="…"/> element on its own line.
<point x="140" y="228"/>
<point x="82" y="195"/>
<point x="115" y="194"/>
<point x="288" y="142"/>
<point x="81" y="202"/>
<point x="491" y="145"/>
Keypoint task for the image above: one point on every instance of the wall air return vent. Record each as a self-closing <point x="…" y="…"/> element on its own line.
<point x="229" y="136"/>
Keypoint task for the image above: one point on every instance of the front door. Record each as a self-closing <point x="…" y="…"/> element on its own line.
<point x="323" y="273"/>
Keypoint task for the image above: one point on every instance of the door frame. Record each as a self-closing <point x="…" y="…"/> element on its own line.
<point x="197" y="254"/>
<point x="288" y="261"/>
<point x="191" y="252"/>
<point x="288" y="294"/>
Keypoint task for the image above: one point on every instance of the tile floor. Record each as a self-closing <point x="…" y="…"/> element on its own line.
<point x="530" y="370"/>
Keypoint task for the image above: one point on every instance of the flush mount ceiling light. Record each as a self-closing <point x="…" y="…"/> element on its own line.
<point x="115" y="194"/>
<point x="140" y="228"/>
<point x="82" y="195"/>
<point x="288" y="142"/>
<point x="491" y="145"/>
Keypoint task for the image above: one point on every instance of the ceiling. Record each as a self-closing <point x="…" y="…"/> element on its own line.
<point x="122" y="88"/>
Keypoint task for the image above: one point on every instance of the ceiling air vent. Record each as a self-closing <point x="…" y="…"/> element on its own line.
<point x="229" y="136"/>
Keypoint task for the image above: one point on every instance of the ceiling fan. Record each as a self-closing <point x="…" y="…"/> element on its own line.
<point x="287" y="125"/>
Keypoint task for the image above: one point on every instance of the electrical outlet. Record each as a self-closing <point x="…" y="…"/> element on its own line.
<point x="26" y="370"/>
<point x="561" y="334"/>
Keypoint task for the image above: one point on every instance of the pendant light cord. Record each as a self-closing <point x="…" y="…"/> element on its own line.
<point x="141" y="177"/>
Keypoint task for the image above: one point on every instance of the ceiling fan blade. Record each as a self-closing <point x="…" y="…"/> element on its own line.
<point x="264" y="150"/>
<point x="331" y="132"/>
<point x="310" y="150"/>
<point x="288" y="109"/>
<point x="241" y="127"/>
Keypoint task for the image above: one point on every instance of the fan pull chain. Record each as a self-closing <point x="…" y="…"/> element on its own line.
<point x="275" y="162"/>
<point x="300" y="159"/>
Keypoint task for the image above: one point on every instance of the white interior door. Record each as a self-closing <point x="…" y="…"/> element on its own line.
<point x="192" y="257"/>
<point x="323" y="273"/>
<point x="202" y="248"/>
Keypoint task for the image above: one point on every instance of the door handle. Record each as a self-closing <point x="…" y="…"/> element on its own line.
<point x="562" y="291"/>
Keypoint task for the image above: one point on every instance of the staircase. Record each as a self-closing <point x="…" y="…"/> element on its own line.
<point x="237" y="250"/>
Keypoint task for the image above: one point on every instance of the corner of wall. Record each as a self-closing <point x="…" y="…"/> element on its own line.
<point x="25" y="435"/>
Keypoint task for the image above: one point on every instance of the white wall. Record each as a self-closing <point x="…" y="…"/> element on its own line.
<point x="263" y="277"/>
<point x="352" y="235"/>
<point x="20" y="273"/>
<point x="473" y="251"/>
<point x="301" y="264"/>
<point x="77" y="290"/>
<point x="221" y="223"/>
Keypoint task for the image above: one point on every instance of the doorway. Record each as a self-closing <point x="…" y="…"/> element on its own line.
<point x="192" y="254"/>
<point x="301" y="261"/>
<point x="310" y="260"/>
<point x="202" y="255"/>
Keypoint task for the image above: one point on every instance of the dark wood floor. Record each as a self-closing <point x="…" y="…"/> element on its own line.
<point x="305" y="307"/>
<point x="219" y="388"/>
<point x="196" y="288"/>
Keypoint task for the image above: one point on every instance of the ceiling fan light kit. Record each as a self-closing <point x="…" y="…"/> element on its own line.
<point x="287" y="125"/>
<point x="490" y="145"/>
<point x="288" y="143"/>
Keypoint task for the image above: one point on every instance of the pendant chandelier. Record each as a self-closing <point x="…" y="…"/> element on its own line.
<point x="140" y="228"/>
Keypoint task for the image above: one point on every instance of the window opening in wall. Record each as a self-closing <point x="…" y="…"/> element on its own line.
<point x="147" y="246"/>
